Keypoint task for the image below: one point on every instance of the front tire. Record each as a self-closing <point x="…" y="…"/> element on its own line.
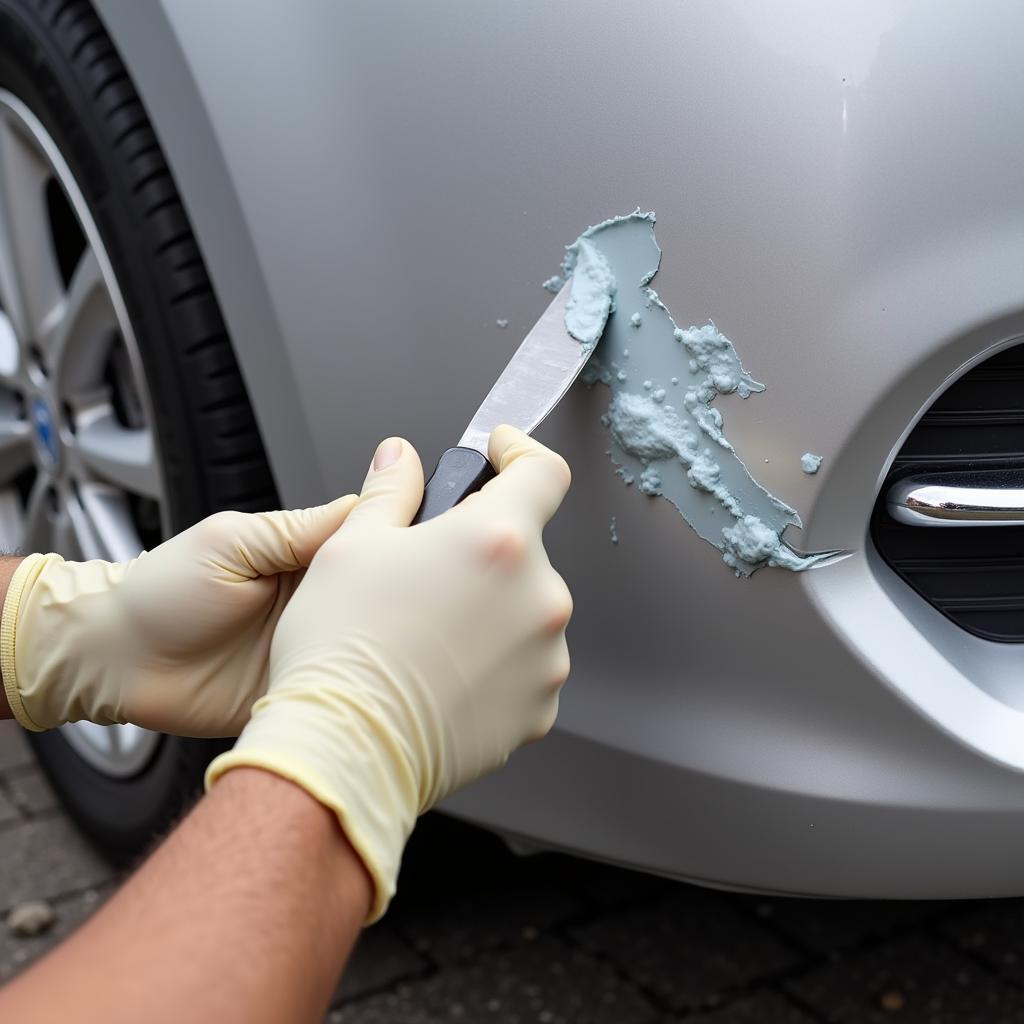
<point x="152" y="363"/>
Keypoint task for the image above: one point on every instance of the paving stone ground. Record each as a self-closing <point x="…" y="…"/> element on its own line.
<point x="480" y="936"/>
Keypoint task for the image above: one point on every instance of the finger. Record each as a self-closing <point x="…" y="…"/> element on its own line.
<point x="530" y="476"/>
<point x="393" y="488"/>
<point x="266" y="543"/>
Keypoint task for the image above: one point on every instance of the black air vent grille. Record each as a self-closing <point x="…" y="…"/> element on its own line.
<point x="973" y="575"/>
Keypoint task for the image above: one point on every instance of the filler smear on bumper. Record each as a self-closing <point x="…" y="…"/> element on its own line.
<point x="667" y="437"/>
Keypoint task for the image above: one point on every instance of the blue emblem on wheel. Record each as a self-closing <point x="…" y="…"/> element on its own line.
<point x="46" y="432"/>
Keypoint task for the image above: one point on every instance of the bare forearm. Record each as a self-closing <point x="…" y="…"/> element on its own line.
<point x="8" y="564"/>
<point x="246" y="913"/>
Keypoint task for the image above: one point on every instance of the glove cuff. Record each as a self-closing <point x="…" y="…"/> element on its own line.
<point x="21" y="583"/>
<point x="365" y="780"/>
<point x="61" y="642"/>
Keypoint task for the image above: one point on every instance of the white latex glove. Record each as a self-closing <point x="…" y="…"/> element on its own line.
<point x="176" y="640"/>
<point x="412" y="660"/>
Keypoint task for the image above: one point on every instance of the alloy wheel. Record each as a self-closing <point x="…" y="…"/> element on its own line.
<point x="80" y="471"/>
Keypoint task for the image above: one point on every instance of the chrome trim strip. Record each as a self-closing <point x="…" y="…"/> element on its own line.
<point x="989" y="498"/>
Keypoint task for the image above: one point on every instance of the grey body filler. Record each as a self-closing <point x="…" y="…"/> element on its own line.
<point x="667" y="435"/>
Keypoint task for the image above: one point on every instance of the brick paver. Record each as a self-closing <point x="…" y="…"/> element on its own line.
<point x="8" y="808"/>
<point x="30" y="791"/>
<point x="688" y="948"/>
<point x="14" y="748"/>
<point x="480" y="936"/>
<point x="916" y="980"/>
<point x="452" y="870"/>
<point x="764" y="1008"/>
<point x="45" y="859"/>
<point x="994" y="934"/>
<point x="380" y="961"/>
<point x="16" y="953"/>
<point x="825" y="927"/>
<point x="541" y="980"/>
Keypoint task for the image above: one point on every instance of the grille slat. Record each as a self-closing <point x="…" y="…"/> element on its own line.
<point x="973" y="575"/>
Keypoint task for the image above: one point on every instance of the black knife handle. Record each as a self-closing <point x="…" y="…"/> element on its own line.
<point x="459" y="472"/>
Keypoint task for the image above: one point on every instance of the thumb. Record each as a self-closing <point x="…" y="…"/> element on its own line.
<point x="393" y="488"/>
<point x="530" y="477"/>
<point x="265" y="543"/>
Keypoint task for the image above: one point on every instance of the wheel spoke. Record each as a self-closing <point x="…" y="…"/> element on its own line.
<point x="77" y="335"/>
<point x="71" y="535"/>
<point x="15" y="448"/>
<point x="30" y="285"/>
<point x="114" y="739"/>
<point x="131" y="738"/>
<point x="38" y="531"/>
<point x="100" y="737"/>
<point x="104" y="523"/>
<point x="12" y="365"/>
<point x="12" y="519"/>
<point x="120" y="456"/>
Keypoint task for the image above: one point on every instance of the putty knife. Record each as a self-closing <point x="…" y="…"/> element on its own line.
<point x="537" y="376"/>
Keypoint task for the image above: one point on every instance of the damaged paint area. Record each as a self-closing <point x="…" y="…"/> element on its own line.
<point x="668" y="438"/>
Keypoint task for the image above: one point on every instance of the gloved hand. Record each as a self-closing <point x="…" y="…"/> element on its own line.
<point x="176" y="640"/>
<point x="413" y="659"/>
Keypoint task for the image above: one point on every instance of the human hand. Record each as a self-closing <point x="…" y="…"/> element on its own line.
<point x="176" y="640"/>
<point x="412" y="660"/>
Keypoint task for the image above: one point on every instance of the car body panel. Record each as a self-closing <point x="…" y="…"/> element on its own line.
<point x="837" y="187"/>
